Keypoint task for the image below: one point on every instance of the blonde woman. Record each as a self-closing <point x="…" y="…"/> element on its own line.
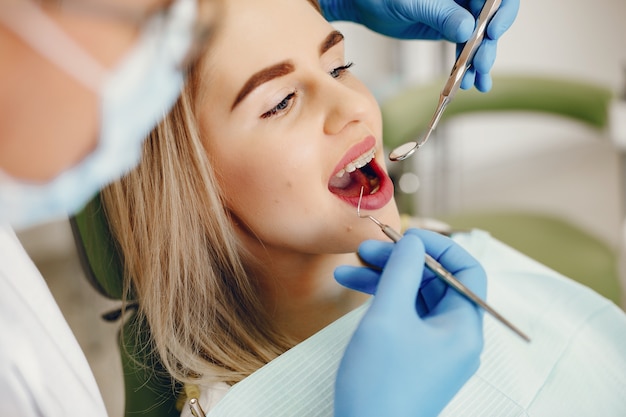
<point x="245" y="204"/>
<point x="238" y="214"/>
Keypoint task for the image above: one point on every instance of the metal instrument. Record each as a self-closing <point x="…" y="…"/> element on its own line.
<point x="454" y="81"/>
<point x="196" y="410"/>
<point x="444" y="274"/>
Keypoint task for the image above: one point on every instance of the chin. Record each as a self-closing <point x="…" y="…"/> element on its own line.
<point x="390" y="215"/>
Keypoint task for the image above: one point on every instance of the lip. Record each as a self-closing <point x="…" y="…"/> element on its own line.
<point x="354" y="152"/>
<point x="370" y="201"/>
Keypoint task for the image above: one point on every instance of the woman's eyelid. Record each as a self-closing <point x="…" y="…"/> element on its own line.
<point x="341" y="69"/>
<point x="335" y="61"/>
<point x="336" y="68"/>
<point x="280" y="105"/>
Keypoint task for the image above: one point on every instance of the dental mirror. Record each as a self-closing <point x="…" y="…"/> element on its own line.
<point x="403" y="151"/>
<point x="453" y="82"/>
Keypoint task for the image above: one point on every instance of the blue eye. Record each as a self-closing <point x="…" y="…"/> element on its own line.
<point x="338" y="72"/>
<point x="283" y="105"/>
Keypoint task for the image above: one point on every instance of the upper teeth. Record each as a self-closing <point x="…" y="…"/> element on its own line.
<point x="360" y="162"/>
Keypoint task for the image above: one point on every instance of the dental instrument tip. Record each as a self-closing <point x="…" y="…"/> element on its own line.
<point x="387" y="230"/>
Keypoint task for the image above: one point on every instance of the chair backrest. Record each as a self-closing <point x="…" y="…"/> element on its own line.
<point x="406" y="114"/>
<point x="149" y="390"/>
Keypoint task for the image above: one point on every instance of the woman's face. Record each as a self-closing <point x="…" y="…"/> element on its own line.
<point x="282" y="119"/>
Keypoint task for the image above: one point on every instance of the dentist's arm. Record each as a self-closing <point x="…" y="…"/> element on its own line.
<point x="420" y="341"/>
<point x="431" y="19"/>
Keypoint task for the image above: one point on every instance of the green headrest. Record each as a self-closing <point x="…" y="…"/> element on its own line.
<point x="149" y="390"/>
<point x="97" y="250"/>
<point x="406" y="115"/>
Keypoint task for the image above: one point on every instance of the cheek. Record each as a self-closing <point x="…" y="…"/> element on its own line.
<point x="254" y="182"/>
<point x="265" y="170"/>
<point x="272" y="193"/>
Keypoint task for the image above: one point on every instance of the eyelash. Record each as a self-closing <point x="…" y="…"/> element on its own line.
<point x="339" y="71"/>
<point x="284" y="104"/>
<point x="279" y="107"/>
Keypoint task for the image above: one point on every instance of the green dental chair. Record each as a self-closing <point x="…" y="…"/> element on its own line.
<point x="546" y="238"/>
<point x="150" y="391"/>
<point x="148" y="388"/>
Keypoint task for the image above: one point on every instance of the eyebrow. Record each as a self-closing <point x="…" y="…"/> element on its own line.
<point x="263" y="76"/>
<point x="331" y="40"/>
<point x="281" y="69"/>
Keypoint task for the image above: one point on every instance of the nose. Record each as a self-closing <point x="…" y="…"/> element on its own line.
<point x="346" y="103"/>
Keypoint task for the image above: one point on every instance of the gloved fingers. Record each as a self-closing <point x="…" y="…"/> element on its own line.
<point x="472" y="275"/>
<point x="475" y="6"/>
<point x="503" y="19"/>
<point x="485" y="56"/>
<point x="457" y="26"/>
<point x="366" y="280"/>
<point x="400" y="281"/>
<point x="483" y="82"/>
<point x="375" y="252"/>
<point x="445" y="250"/>
<point x="474" y="278"/>
<point x="478" y="73"/>
<point x="446" y="17"/>
<point x="455" y="259"/>
<point x="358" y="278"/>
<point x="468" y="79"/>
<point x="457" y="309"/>
<point x="430" y="293"/>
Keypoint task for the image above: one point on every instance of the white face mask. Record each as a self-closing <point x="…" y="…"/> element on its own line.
<point x="135" y="96"/>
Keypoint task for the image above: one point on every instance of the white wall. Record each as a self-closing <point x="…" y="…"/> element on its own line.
<point x="576" y="38"/>
<point x="573" y="38"/>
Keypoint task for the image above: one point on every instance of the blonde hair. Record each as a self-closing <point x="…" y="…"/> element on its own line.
<point x="183" y="261"/>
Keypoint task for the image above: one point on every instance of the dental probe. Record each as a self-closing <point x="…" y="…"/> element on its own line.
<point x="444" y="274"/>
<point x="454" y="81"/>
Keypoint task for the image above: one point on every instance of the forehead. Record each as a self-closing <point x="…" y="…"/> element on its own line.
<point x="267" y="29"/>
<point x="254" y="34"/>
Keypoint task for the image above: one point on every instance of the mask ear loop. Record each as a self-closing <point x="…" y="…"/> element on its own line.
<point x="55" y="45"/>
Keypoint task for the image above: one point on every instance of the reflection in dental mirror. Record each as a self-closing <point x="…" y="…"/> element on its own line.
<point x="403" y="151"/>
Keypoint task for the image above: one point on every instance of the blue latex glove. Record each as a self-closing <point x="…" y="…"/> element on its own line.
<point x="400" y="362"/>
<point x="453" y="20"/>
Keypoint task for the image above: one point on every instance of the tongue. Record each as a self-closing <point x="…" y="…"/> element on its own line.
<point x="349" y="185"/>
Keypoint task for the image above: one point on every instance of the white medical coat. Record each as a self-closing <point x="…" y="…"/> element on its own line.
<point x="43" y="371"/>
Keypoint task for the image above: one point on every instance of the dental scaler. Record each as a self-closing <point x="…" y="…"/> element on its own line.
<point x="444" y="274"/>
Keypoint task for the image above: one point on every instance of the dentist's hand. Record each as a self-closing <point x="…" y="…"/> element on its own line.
<point x="411" y="353"/>
<point x="453" y="20"/>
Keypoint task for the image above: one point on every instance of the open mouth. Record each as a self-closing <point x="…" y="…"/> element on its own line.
<point x="363" y="172"/>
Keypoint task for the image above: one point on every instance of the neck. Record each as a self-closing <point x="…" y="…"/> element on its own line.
<point x="301" y="294"/>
